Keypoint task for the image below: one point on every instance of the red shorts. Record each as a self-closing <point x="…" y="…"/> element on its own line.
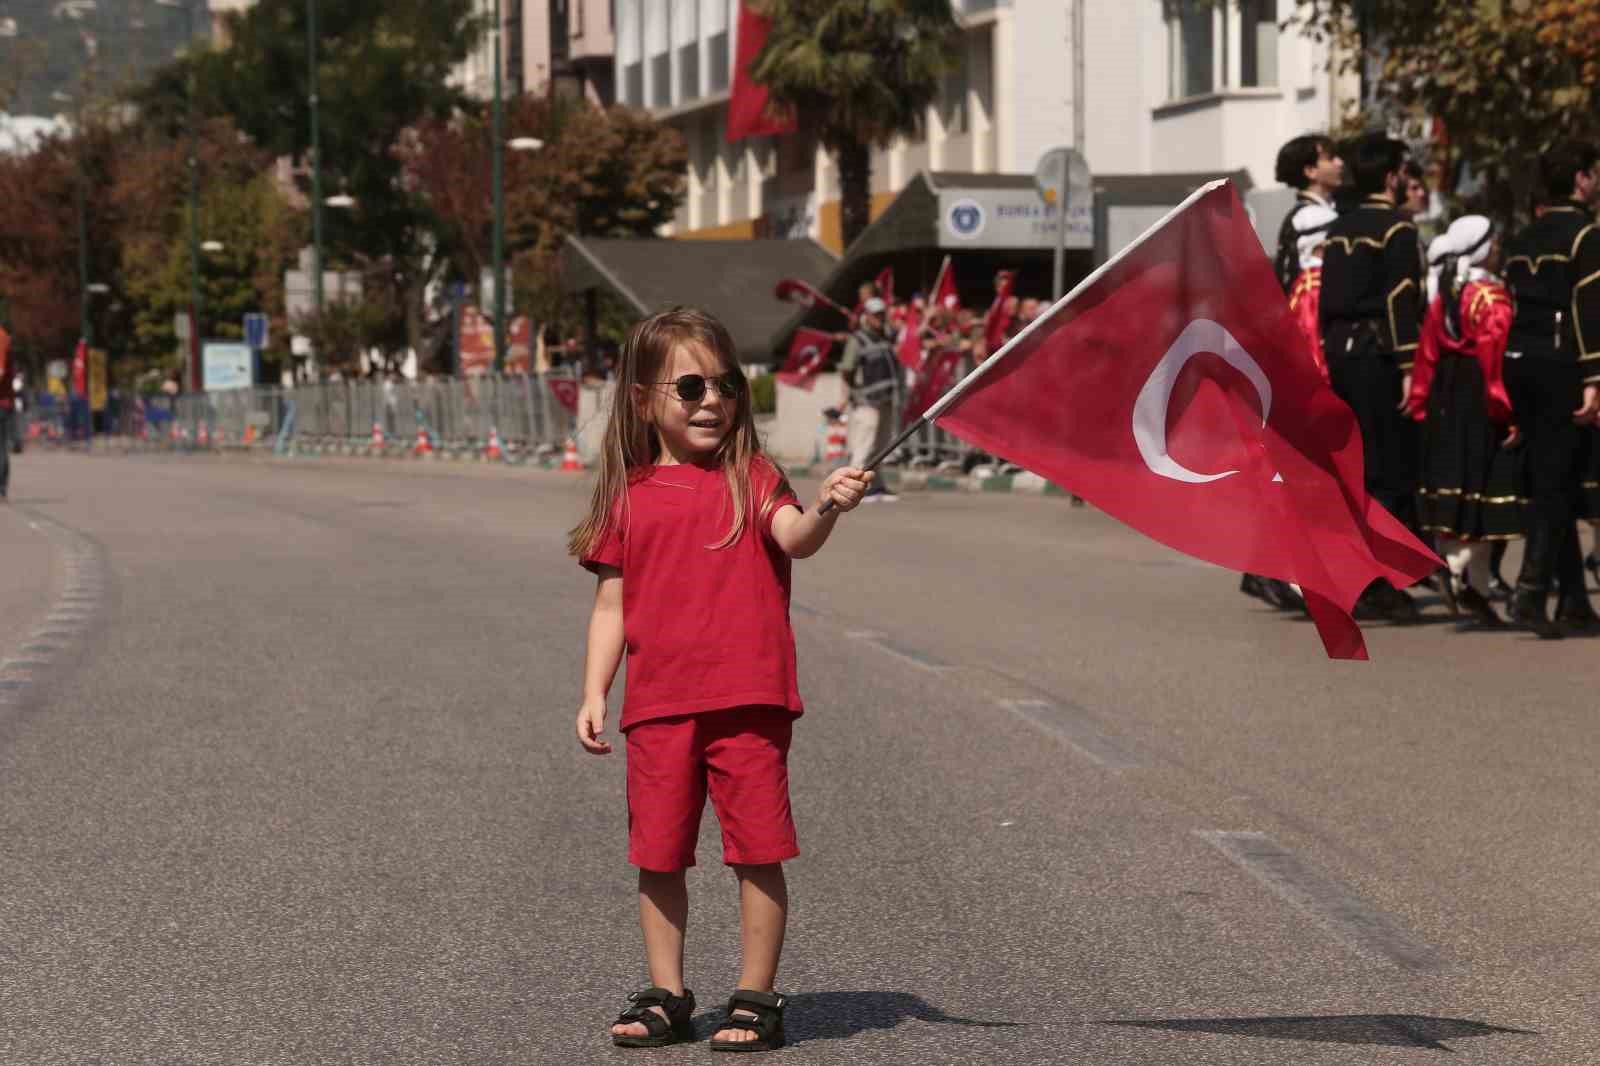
<point x="741" y="756"/>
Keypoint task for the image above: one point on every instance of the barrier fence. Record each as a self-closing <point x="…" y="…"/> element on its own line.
<point x="524" y="412"/>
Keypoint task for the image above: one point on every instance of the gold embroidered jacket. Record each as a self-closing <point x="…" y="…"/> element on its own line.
<point x="1372" y="273"/>
<point x="1553" y="267"/>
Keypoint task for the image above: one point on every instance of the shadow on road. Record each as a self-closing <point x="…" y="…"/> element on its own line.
<point x="837" y="1015"/>
<point x="1392" y="1030"/>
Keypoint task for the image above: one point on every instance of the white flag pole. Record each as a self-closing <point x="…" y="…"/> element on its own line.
<point x="961" y="387"/>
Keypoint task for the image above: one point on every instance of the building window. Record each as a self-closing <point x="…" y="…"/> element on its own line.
<point x="633" y="84"/>
<point x="1193" y="40"/>
<point x="953" y="102"/>
<point x="689" y="71"/>
<point x="1258" y="44"/>
<point x="717" y="56"/>
<point x="661" y="80"/>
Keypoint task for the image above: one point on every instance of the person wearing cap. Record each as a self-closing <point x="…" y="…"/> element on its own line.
<point x="1470" y="490"/>
<point x="873" y="377"/>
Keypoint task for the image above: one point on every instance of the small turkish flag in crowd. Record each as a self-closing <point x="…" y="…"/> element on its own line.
<point x="909" y="348"/>
<point x="885" y="284"/>
<point x="565" y="390"/>
<point x="945" y="297"/>
<point x="748" y="114"/>
<point x="937" y="374"/>
<point x="1176" y="394"/>
<point x="807" y="352"/>
<point x="998" y="320"/>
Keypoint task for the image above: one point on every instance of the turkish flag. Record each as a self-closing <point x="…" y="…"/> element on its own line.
<point x="885" y="284"/>
<point x="935" y="376"/>
<point x="909" y="348"/>
<point x="565" y="390"/>
<point x="945" y="297"/>
<point x="1175" y="392"/>
<point x="747" y="103"/>
<point x="998" y="318"/>
<point x="80" y="369"/>
<point x="807" y="352"/>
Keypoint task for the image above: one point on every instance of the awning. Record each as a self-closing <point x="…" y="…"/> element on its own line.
<point x="990" y="222"/>
<point x="731" y="279"/>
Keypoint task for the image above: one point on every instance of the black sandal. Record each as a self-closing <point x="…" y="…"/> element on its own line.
<point x="660" y="1032"/>
<point x="766" y="1023"/>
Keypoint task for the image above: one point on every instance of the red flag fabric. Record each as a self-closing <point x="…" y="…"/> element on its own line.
<point x="1175" y="392"/>
<point x="998" y="318"/>
<point x="565" y="390"/>
<point x="945" y="297"/>
<point x="885" y="283"/>
<point x="795" y="291"/>
<point x="807" y="352"/>
<point x="932" y="380"/>
<point x="747" y="103"/>
<point x="80" y="369"/>
<point x="909" y="348"/>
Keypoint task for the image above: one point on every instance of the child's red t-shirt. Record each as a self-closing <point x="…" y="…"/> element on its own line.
<point x="706" y="629"/>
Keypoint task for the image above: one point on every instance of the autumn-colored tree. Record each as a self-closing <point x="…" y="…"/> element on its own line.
<point x="1504" y="78"/>
<point x="613" y="172"/>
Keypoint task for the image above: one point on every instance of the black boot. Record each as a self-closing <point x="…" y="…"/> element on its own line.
<point x="1251" y="585"/>
<point x="1575" y="613"/>
<point x="1480" y="612"/>
<point x="1527" y="610"/>
<point x="1282" y="595"/>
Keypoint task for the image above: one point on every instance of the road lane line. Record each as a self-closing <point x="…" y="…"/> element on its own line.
<point x="1071" y="726"/>
<point x="921" y="660"/>
<point x="1324" y="899"/>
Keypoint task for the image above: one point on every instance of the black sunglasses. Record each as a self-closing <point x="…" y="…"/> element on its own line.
<point x="692" y="387"/>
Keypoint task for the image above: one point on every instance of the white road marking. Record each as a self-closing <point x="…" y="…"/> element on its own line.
<point x="916" y="658"/>
<point x="1073" y="727"/>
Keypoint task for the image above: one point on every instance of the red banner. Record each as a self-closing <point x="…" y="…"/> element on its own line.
<point x="932" y="382"/>
<point x="998" y="319"/>
<point x="945" y="296"/>
<point x="1177" y="395"/>
<point x="565" y="390"/>
<point x="747" y="103"/>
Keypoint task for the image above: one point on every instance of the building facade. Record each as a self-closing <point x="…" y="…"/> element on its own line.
<point x="546" y="46"/>
<point x="1168" y="87"/>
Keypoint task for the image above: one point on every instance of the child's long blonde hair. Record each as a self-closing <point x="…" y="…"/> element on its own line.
<point x="631" y="440"/>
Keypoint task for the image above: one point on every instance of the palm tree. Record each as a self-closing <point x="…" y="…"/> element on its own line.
<point x="855" y="74"/>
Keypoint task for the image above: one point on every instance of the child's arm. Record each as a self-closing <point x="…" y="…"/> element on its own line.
<point x="802" y="533"/>
<point x="605" y="655"/>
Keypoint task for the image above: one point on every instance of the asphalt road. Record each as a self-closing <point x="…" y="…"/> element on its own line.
<point x="289" y="777"/>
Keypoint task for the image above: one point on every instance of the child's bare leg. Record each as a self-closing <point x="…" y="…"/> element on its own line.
<point x="763" y="912"/>
<point x="663" y="915"/>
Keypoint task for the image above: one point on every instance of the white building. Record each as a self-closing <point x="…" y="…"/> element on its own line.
<point x="1192" y="90"/>
<point x="545" y="45"/>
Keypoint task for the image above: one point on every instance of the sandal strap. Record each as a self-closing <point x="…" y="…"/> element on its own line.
<point x="761" y="1002"/>
<point x="677" y="1008"/>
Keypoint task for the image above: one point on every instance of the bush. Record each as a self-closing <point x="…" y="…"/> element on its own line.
<point x="764" y="394"/>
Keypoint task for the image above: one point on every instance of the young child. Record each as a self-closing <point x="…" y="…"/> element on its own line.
<point x="690" y="534"/>
<point x="1469" y="492"/>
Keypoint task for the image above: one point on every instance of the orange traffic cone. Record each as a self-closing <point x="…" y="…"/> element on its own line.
<point x="202" y="436"/>
<point x="569" y="458"/>
<point x="492" y="451"/>
<point x="249" y="435"/>
<point x="377" y="437"/>
<point x="423" y="449"/>
<point x="838" y="439"/>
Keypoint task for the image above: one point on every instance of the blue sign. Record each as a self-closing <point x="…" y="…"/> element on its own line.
<point x="966" y="218"/>
<point x="255" y="330"/>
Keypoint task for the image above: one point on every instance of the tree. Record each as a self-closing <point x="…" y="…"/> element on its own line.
<point x="856" y="74"/>
<point x="1505" y="78"/>
<point x="381" y="68"/>
<point x="613" y="172"/>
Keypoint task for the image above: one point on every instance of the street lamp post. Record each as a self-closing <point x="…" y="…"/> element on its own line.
<point x="193" y="165"/>
<point x="499" y="207"/>
<point x="316" y="158"/>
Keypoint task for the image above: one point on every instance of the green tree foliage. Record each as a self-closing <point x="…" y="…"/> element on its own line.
<point x="381" y="69"/>
<point x="1498" y="74"/>
<point x="856" y="74"/>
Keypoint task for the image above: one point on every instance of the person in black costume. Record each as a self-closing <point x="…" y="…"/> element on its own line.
<point x="1371" y="314"/>
<point x="1553" y="376"/>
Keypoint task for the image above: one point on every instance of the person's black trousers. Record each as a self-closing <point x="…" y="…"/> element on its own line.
<point x="1369" y="381"/>
<point x="1544" y="394"/>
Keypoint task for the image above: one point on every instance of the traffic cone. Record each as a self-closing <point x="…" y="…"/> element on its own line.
<point x="492" y="452"/>
<point x="377" y="437"/>
<point x="423" y="449"/>
<point x="569" y="458"/>
<point x="202" y="436"/>
<point x="838" y="441"/>
<point x="249" y="435"/>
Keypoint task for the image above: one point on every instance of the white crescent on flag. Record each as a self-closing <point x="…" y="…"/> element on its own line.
<point x="1150" y="408"/>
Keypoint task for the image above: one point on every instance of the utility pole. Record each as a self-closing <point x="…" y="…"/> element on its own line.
<point x="195" y="382"/>
<point x="499" y="207"/>
<point x="316" y="159"/>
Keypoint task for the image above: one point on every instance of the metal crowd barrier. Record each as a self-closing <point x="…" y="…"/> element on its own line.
<point x="454" y="416"/>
